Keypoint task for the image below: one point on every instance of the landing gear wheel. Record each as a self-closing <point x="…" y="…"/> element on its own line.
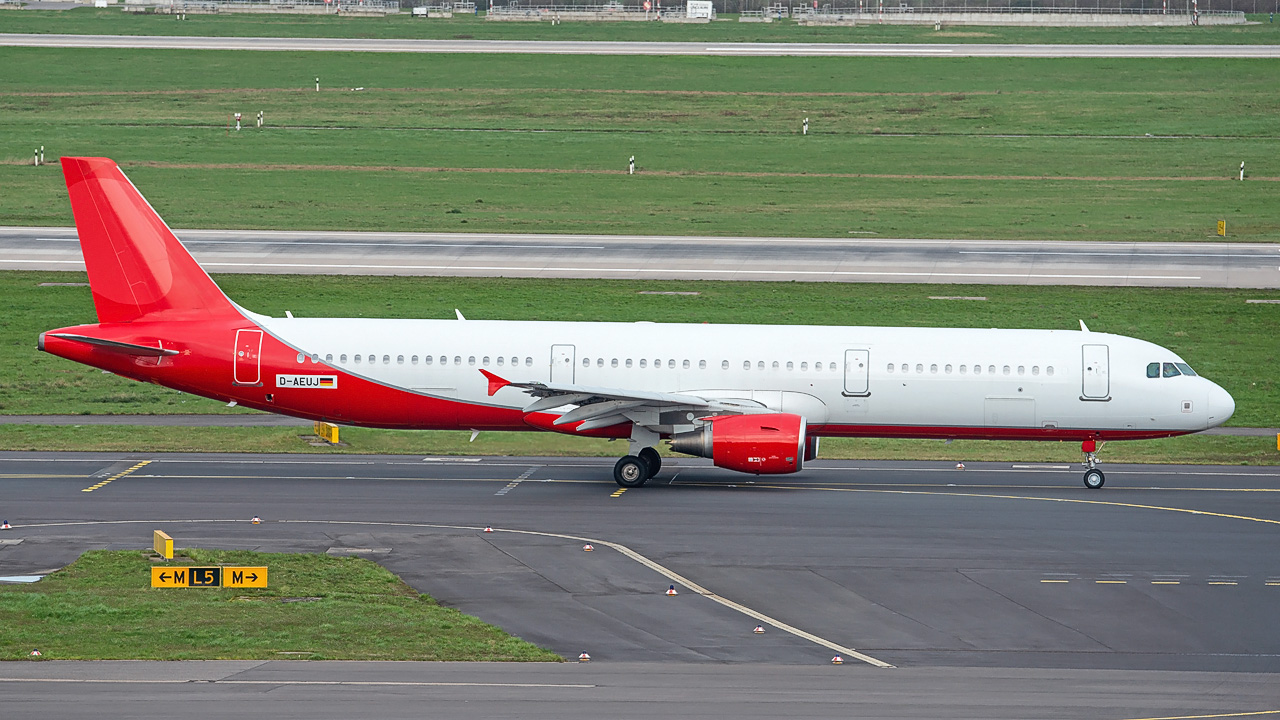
<point x="1093" y="478"/>
<point x="652" y="459"/>
<point x="631" y="472"/>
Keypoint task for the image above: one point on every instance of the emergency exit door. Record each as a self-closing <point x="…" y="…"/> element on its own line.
<point x="562" y="357"/>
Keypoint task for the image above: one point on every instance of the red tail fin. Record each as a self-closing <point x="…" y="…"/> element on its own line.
<point x="137" y="268"/>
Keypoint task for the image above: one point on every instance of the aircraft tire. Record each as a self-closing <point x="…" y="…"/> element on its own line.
<point x="1093" y="478"/>
<point x="631" y="472"/>
<point x="651" y="459"/>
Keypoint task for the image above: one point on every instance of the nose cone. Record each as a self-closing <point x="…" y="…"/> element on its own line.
<point x="1220" y="405"/>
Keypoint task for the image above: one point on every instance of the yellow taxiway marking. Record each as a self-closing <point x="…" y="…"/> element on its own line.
<point x="1055" y="581"/>
<point x="1110" y="582"/>
<point x="1273" y="584"/>
<point x="618" y="492"/>
<point x="992" y="496"/>
<point x="1222" y="582"/>
<point x="1166" y="582"/>
<point x="117" y="476"/>
<point x="25" y="476"/>
<point x="1220" y="715"/>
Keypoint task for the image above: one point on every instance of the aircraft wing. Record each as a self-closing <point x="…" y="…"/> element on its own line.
<point x="599" y="407"/>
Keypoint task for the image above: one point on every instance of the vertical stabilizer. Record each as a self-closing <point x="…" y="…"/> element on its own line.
<point x="137" y="268"/>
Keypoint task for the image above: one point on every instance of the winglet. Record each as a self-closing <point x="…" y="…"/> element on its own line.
<point x="1082" y="327"/>
<point x="495" y="383"/>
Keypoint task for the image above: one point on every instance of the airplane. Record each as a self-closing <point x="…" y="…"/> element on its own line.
<point x="752" y="398"/>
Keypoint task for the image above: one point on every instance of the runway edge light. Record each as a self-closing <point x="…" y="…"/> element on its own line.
<point x="672" y="590"/>
<point x="587" y="548"/>
<point x="837" y="660"/>
<point x="584" y="658"/>
<point x="7" y="526"/>
<point x="488" y="529"/>
<point x="759" y="630"/>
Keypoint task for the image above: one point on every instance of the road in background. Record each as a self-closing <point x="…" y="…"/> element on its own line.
<point x="1223" y="265"/>
<point x="551" y="47"/>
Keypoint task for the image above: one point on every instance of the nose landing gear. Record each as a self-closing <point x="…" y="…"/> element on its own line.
<point x="1093" y="477"/>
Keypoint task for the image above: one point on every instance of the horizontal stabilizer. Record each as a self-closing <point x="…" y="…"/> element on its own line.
<point x="116" y="346"/>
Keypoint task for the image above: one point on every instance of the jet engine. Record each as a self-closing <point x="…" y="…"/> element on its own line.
<point x="759" y="444"/>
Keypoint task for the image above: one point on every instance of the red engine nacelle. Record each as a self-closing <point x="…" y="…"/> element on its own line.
<point x="760" y="444"/>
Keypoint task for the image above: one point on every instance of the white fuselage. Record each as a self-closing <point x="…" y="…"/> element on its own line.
<point x="926" y="382"/>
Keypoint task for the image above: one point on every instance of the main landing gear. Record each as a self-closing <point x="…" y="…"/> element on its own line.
<point x="1093" y="477"/>
<point x="635" y="470"/>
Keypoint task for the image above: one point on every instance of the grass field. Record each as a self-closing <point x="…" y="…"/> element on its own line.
<point x="88" y="21"/>
<point x="920" y="147"/>
<point x="315" y="608"/>
<point x="1223" y="337"/>
<point x="1194" y="449"/>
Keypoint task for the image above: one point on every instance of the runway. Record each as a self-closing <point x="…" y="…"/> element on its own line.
<point x="1223" y="265"/>
<point x="997" y="591"/>
<point x="544" y="47"/>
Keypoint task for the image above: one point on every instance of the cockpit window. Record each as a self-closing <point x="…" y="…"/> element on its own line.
<point x="1153" y="370"/>
<point x="1171" y="370"/>
<point x="1186" y="369"/>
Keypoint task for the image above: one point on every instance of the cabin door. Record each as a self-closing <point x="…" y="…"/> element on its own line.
<point x="857" y="365"/>
<point x="1097" y="372"/>
<point x="247" y="363"/>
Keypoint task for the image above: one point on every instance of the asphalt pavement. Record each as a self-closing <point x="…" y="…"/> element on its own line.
<point x="1229" y="265"/>
<point x="1002" y="590"/>
<point x="638" y="48"/>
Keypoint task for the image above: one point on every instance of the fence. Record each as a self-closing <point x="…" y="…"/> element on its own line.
<point x="304" y="7"/>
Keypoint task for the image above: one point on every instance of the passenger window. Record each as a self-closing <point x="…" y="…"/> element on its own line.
<point x="1006" y="370"/>
<point x="685" y="365"/>
<point x="724" y="365"/>
<point x="964" y="369"/>
<point x="760" y="365"/>
<point x="1022" y="370"/>
<point x="903" y="368"/>
<point x="746" y="364"/>
<point x="1153" y="370"/>
<point x="977" y="369"/>
<point x="471" y="360"/>
<point x="804" y="367"/>
<point x="947" y="369"/>
<point x="399" y="359"/>
<point x="934" y="368"/>
<point x="1049" y="371"/>
<point x="991" y="369"/>
<point x="457" y="359"/>
<point x="500" y="360"/>
<point x="613" y="362"/>
<point x="386" y="359"/>
<point x="1035" y="369"/>
<point x="628" y="362"/>
<point x="920" y="368"/>
<point x="444" y="360"/>
<point x="775" y="364"/>
<point x="428" y="360"/>
<point x="528" y="362"/>
<point x="599" y="362"/>
<point x="643" y="363"/>
<point x="1170" y="370"/>
<point x="586" y="362"/>
<point x="414" y="359"/>
<point x="831" y="366"/>
<point x="1186" y="369"/>
<point x="702" y="364"/>
<point x="342" y="358"/>
<point x="791" y="365"/>
<point x="890" y="368"/>
<point x="357" y="359"/>
<point x="671" y="364"/>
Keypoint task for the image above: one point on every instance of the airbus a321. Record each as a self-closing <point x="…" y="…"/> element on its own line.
<point x="753" y="398"/>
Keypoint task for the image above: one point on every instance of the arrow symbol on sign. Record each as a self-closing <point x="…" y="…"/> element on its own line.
<point x="164" y="577"/>
<point x="252" y="576"/>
